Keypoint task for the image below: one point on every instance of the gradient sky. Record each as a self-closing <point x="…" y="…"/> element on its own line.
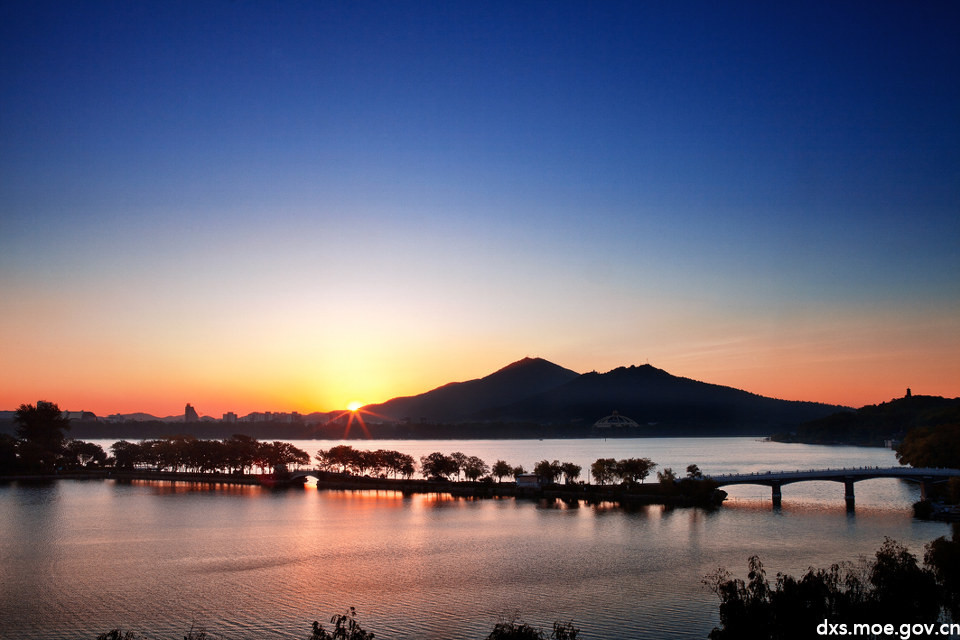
<point x="283" y="206"/>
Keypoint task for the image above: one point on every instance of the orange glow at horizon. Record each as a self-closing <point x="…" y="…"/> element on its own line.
<point x="855" y="359"/>
<point x="854" y="378"/>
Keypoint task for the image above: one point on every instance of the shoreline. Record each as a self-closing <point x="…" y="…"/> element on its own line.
<point x="642" y="494"/>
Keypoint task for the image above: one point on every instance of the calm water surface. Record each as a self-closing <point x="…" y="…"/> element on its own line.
<point x="78" y="558"/>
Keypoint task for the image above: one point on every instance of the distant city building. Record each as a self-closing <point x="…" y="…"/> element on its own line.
<point x="190" y="414"/>
<point x="230" y="417"/>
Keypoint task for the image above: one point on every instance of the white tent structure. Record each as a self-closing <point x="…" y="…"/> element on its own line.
<point x="614" y="421"/>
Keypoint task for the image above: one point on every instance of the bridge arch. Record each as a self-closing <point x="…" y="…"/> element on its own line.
<point x="926" y="477"/>
<point x="301" y="476"/>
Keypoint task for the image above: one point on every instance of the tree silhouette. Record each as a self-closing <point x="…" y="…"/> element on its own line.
<point x="603" y="470"/>
<point x="630" y="470"/>
<point x="438" y="465"/>
<point x="667" y="476"/>
<point x="548" y="472"/>
<point x="891" y="589"/>
<point x="474" y="468"/>
<point x="460" y="462"/>
<point x="42" y="424"/>
<point x="500" y="469"/>
<point x="902" y="590"/>
<point x="79" y="453"/>
<point x="516" y="629"/>
<point x="570" y="471"/>
<point x="345" y="627"/>
<point x="943" y="558"/>
<point x="41" y="429"/>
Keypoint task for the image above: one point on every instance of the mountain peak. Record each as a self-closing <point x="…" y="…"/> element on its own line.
<point x="527" y="362"/>
<point x="640" y="370"/>
<point x="463" y="400"/>
<point x="530" y="369"/>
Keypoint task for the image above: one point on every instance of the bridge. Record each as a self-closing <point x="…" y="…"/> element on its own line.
<point x="925" y="477"/>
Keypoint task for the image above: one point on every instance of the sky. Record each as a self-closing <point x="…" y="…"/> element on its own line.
<point x="291" y="206"/>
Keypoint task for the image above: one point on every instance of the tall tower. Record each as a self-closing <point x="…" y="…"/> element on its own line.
<point x="190" y="414"/>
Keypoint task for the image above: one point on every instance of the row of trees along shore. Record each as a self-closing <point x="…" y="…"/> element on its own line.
<point x="41" y="446"/>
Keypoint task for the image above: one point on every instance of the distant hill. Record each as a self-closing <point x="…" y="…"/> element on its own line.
<point x="873" y="424"/>
<point x="663" y="403"/>
<point x="538" y="391"/>
<point x="464" y="401"/>
<point x="146" y="417"/>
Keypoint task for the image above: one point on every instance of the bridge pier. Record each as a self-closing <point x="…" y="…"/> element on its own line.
<point x="848" y="494"/>
<point x="777" y="496"/>
<point x="925" y="487"/>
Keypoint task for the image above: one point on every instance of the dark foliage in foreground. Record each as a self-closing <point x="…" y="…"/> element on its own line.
<point x="893" y="588"/>
<point x="517" y="629"/>
<point x="346" y="627"/>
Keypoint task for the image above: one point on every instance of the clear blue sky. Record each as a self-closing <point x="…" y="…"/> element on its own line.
<point x="279" y="205"/>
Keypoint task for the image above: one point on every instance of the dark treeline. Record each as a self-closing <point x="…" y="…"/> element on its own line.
<point x="238" y="454"/>
<point x="346" y="459"/>
<point x="874" y="424"/>
<point x="893" y="594"/>
<point x="42" y="449"/>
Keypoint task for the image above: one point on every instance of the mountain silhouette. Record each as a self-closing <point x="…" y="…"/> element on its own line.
<point x="538" y="391"/>
<point x="654" y="397"/>
<point x="462" y="401"/>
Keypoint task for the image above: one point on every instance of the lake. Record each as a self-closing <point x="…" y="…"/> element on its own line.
<point x="79" y="558"/>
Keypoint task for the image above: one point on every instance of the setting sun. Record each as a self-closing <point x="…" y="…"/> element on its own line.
<point x="353" y="406"/>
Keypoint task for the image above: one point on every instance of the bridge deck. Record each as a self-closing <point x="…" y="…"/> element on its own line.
<point x="836" y="475"/>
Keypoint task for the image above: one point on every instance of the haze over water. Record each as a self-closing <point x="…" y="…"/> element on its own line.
<point x="83" y="557"/>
